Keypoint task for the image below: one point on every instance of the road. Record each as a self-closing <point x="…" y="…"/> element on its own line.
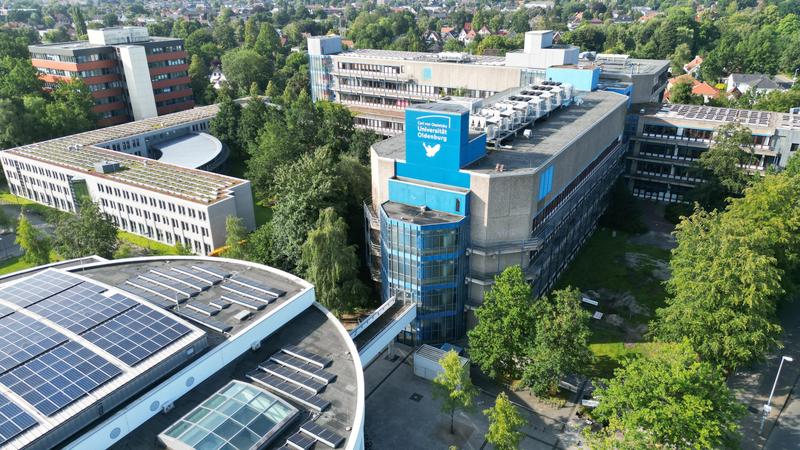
<point x="753" y="386"/>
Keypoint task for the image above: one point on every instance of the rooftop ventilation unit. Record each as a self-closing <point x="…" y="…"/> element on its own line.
<point x="106" y="166"/>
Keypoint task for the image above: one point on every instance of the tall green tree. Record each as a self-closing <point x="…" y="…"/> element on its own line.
<point x="722" y="292"/>
<point x="198" y="73"/>
<point x="35" y="243"/>
<point x="243" y="67"/>
<point x="725" y="159"/>
<point x="78" y="21"/>
<point x="681" y="93"/>
<point x="672" y="400"/>
<point x="453" y="387"/>
<point x="504" y="424"/>
<point x="225" y="125"/>
<point x="253" y="119"/>
<point x="70" y="110"/>
<point x="302" y="189"/>
<point x="235" y="239"/>
<point x="560" y="346"/>
<point x="331" y="265"/>
<point x="506" y="326"/>
<point x="90" y="232"/>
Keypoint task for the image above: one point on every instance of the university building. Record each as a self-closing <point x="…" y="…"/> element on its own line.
<point x="174" y="352"/>
<point x="169" y="199"/>
<point x="378" y="85"/>
<point x="471" y="188"/>
<point x="131" y="75"/>
<point x="668" y="140"/>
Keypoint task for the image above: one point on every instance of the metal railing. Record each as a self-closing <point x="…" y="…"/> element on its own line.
<point x="370" y="319"/>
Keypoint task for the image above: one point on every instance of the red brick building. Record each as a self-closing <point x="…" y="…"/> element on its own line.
<point x="132" y="75"/>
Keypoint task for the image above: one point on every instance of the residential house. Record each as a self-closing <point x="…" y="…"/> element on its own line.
<point x="741" y="83"/>
<point x="693" y="66"/>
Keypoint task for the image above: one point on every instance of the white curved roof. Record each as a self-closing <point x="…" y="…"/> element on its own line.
<point x="191" y="151"/>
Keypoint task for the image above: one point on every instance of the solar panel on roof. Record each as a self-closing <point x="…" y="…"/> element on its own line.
<point x="248" y="293"/>
<point x="149" y="296"/>
<point x="289" y="390"/>
<point x="213" y="270"/>
<point x="136" y="334"/>
<point x="247" y="302"/>
<point x="59" y="377"/>
<point x="171" y="285"/>
<point x="166" y="294"/>
<point x="79" y="309"/>
<point x="201" y="308"/>
<point x="322" y="434"/>
<point x="302" y="353"/>
<point x="300" y="441"/>
<point x="185" y="280"/>
<point x="293" y="376"/>
<point x="256" y="286"/>
<point x="13" y="420"/>
<point x="5" y="310"/>
<point x="303" y="367"/>
<point x="38" y="287"/>
<point x="213" y="324"/>
<point x="23" y="338"/>
<point x="198" y="274"/>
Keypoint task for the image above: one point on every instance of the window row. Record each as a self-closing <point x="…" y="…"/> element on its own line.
<point x="169" y="76"/>
<point x="144" y="200"/>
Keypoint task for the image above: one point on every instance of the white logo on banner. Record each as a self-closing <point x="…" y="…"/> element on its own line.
<point x="431" y="150"/>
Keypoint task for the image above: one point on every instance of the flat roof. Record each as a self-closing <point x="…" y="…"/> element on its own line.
<point x="73" y="45"/>
<point x="69" y="342"/>
<point x="717" y="115"/>
<point x="418" y="215"/>
<point x="80" y="152"/>
<point x="119" y="275"/>
<point x="549" y="137"/>
<point x="191" y="150"/>
<point x="311" y="330"/>
<point x="368" y="53"/>
<point x="629" y="66"/>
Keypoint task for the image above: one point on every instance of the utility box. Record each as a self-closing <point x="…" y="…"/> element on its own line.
<point x="426" y="361"/>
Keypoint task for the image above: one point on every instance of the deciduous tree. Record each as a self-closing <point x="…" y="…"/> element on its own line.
<point x="673" y="400"/>
<point x="453" y="387"/>
<point x="504" y="424"/>
<point x="331" y="265"/>
<point x="35" y="243"/>
<point x="560" y="345"/>
<point x="506" y="326"/>
<point x="90" y="232"/>
<point x="236" y="234"/>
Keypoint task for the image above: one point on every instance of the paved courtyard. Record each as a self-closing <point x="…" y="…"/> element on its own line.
<point x="402" y="413"/>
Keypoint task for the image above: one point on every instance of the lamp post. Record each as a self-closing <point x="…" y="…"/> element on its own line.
<point x="768" y="405"/>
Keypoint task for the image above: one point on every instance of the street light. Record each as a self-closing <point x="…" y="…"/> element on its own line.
<point x="767" y="406"/>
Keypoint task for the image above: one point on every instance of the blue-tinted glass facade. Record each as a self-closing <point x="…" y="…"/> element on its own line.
<point x="427" y="264"/>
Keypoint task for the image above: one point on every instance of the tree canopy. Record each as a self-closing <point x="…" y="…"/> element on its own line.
<point x="90" y="232"/>
<point x="453" y="387"/>
<point x="505" y="422"/>
<point x="671" y="399"/>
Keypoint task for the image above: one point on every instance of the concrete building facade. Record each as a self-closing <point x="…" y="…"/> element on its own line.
<point x="162" y="201"/>
<point x="377" y="85"/>
<point x="668" y="140"/>
<point x="448" y="212"/>
<point x="131" y="75"/>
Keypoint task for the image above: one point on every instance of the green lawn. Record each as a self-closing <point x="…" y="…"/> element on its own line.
<point x="610" y="356"/>
<point x="13" y="264"/>
<point x="155" y="248"/>
<point x="601" y="265"/>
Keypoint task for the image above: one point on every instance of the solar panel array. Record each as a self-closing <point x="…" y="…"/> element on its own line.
<point x="38" y="287"/>
<point x="59" y="377"/>
<point x="136" y="334"/>
<point x="697" y="112"/>
<point x="13" y="420"/>
<point x="79" y="309"/>
<point x="23" y="338"/>
<point x="42" y="365"/>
